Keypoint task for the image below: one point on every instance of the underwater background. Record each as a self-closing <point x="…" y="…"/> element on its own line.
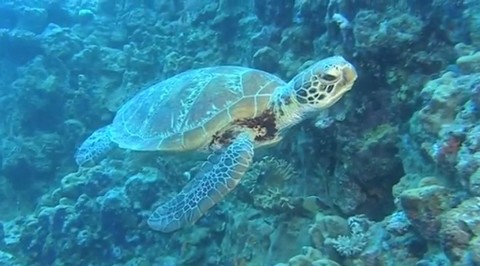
<point x="390" y="175"/>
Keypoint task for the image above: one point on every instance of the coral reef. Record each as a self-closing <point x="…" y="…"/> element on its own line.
<point x="388" y="176"/>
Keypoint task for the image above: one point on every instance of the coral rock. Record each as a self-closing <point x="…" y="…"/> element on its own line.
<point x="266" y="59"/>
<point x="474" y="183"/>
<point x="460" y="232"/>
<point x="470" y="63"/>
<point x="33" y="19"/>
<point x="423" y="207"/>
<point x="327" y="226"/>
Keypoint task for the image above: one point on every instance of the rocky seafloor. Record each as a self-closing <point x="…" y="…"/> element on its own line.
<point x="389" y="176"/>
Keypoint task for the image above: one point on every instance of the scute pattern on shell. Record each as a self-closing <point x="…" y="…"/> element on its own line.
<point x="185" y="102"/>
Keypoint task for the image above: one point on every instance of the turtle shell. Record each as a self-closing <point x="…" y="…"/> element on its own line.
<point x="184" y="112"/>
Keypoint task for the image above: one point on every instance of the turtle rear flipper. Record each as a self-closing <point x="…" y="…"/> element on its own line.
<point x="219" y="175"/>
<point x="95" y="147"/>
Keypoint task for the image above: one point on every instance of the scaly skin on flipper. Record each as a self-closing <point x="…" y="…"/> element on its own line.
<point x="219" y="175"/>
<point x="95" y="147"/>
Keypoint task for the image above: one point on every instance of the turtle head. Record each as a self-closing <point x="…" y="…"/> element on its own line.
<point x="324" y="83"/>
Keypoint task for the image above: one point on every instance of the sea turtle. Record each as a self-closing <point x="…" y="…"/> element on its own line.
<point x="226" y="111"/>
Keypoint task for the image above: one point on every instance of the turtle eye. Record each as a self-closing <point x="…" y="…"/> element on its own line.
<point x="328" y="77"/>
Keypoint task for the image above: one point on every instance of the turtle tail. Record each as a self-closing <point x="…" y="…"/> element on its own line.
<point x="219" y="175"/>
<point x="95" y="147"/>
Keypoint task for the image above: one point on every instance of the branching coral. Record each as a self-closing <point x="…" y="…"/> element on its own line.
<point x="272" y="172"/>
<point x="354" y="243"/>
<point x="273" y="199"/>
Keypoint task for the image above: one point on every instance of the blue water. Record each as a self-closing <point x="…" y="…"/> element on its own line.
<point x="257" y="132"/>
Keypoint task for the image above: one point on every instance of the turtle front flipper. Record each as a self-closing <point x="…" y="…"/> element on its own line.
<point x="219" y="175"/>
<point x="95" y="147"/>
